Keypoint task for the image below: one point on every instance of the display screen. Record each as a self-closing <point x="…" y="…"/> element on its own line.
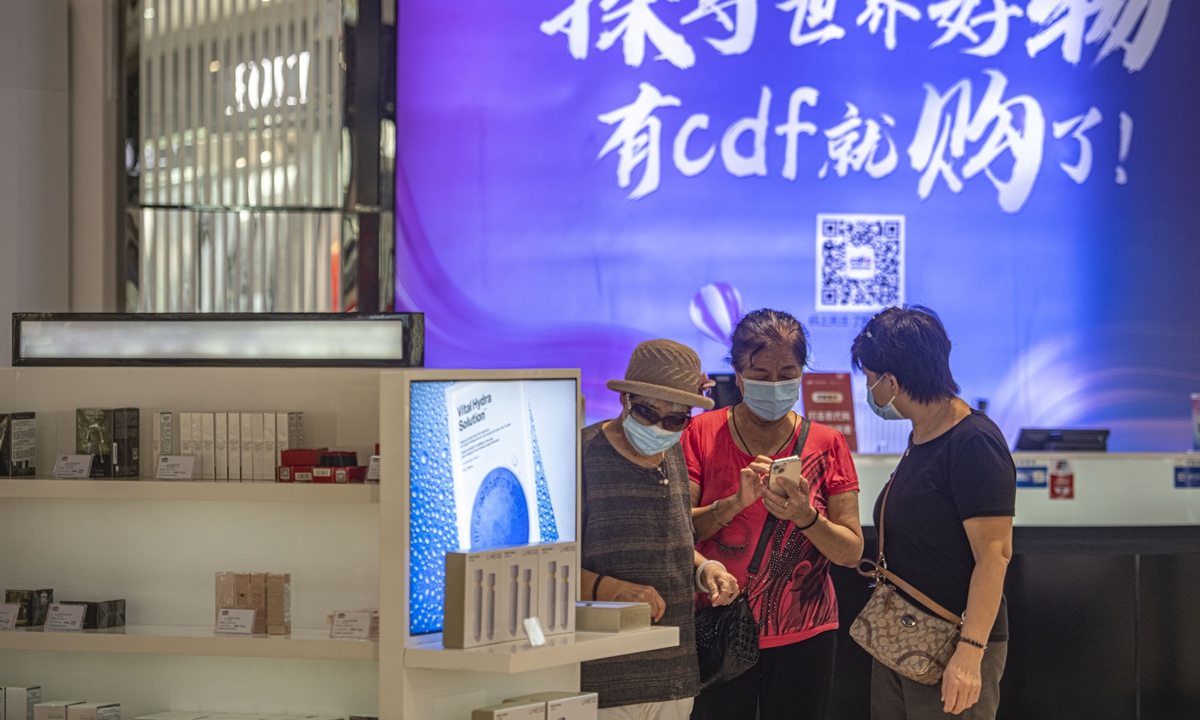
<point x="575" y="177"/>
<point x="493" y="463"/>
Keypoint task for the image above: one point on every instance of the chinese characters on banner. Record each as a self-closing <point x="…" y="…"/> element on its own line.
<point x="962" y="129"/>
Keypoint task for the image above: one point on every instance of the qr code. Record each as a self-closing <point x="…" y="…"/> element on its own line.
<point x="860" y="262"/>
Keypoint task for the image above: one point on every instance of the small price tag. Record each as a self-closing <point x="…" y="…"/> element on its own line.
<point x="533" y="629"/>
<point x="235" y="622"/>
<point x="351" y="626"/>
<point x="175" y="467"/>
<point x="373" y="470"/>
<point x="65" y="618"/>
<point x="8" y="616"/>
<point x="73" y="467"/>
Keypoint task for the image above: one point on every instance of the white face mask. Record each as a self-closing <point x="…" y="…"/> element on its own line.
<point x="648" y="439"/>
<point x="888" y="411"/>
<point x="771" y="400"/>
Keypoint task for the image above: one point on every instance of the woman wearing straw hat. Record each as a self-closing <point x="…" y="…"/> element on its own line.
<point x="637" y="532"/>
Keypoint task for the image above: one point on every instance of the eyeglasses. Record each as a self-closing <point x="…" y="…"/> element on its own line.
<point x="670" y="423"/>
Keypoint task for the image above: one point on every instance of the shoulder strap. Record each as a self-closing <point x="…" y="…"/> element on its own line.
<point x="879" y="569"/>
<point x="769" y="525"/>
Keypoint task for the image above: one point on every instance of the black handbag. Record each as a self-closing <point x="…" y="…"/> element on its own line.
<point x="727" y="636"/>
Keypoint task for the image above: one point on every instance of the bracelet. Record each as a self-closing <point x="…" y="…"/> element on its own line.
<point x="596" y="585"/>
<point x="816" y="517"/>
<point x="972" y="643"/>
<point x="700" y="570"/>
<point x="718" y="517"/>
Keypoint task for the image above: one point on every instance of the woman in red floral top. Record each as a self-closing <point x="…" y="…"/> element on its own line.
<point x="728" y="454"/>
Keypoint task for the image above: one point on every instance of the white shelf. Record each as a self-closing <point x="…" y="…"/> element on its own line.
<point x="145" y="489"/>
<point x="519" y="657"/>
<point x="170" y="640"/>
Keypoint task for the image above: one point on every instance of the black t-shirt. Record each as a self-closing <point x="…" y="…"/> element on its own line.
<point x="965" y="473"/>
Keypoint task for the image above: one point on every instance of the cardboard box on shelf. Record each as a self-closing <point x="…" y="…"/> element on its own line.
<point x="279" y="604"/>
<point x="511" y="711"/>
<point x="565" y="705"/>
<point x="258" y="601"/>
<point x="53" y="710"/>
<point x="19" y="701"/>
<point x="471" y="603"/>
<point x="611" y="617"/>
<point x="94" y="711"/>
<point x="34" y="605"/>
<point x="94" y="436"/>
<point x="100" y="615"/>
<point x="18" y="444"/>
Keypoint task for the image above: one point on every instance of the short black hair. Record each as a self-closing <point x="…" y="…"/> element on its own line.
<point x="911" y="344"/>
<point x="764" y="328"/>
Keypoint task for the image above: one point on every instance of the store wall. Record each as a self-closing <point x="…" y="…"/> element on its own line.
<point x="94" y="84"/>
<point x="34" y="160"/>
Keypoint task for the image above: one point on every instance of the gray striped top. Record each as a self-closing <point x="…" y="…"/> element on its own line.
<point x="640" y="531"/>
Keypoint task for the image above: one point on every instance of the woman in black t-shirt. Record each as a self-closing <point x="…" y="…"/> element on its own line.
<point x="949" y="513"/>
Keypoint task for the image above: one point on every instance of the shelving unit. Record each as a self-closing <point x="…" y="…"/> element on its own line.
<point x="193" y="641"/>
<point x="157" y="544"/>
<point x="518" y="657"/>
<point x="146" y="489"/>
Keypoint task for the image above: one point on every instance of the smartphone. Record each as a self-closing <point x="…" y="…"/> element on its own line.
<point x="787" y="468"/>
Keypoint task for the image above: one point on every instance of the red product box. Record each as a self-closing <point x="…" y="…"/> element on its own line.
<point x="302" y="457"/>
<point x="339" y="475"/>
<point x="295" y="474"/>
<point x="357" y="474"/>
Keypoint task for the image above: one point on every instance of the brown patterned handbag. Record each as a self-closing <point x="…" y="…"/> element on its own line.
<point x="898" y="633"/>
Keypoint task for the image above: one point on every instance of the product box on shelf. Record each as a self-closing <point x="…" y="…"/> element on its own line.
<point x="221" y="446"/>
<point x="469" y="618"/>
<point x="258" y="602"/>
<point x="227" y="591"/>
<point x="295" y="473"/>
<point x="246" y="443"/>
<point x="270" y="448"/>
<point x="282" y="437"/>
<point x="34" y="605"/>
<point x="94" y="711"/>
<point x="279" y="604"/>
<point x="518" y="596"/>
<point x="18" y="444"/>
<point x="100" y="615"/>
<point x="185" y="435"/>
<point x="94" y="436"/>
<point x="339" y="475"/>
<point x="127" y="442"/>
<point x="558" y="578"/>
<point x="163" y="434"/>
<point x="258" y="450"/>
<point x="208" y="442"/>
<point x="196" y="422"/>
<point x="511" y="711"/>
<point x="19" y="702"/>
<point x="174" y="716"/>
<point x="268" y="594"/>
<point x="53" y="710"/>
<point x="565" y="705"/>
<point x="234" y="446"/>
<point x="611" y="617"/>
<point x="298" y="456"/>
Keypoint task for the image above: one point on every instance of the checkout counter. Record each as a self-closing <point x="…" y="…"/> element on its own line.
<point x="1103" y="590"/>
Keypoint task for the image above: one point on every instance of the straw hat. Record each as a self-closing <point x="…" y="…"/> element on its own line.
<point x="664" y="370"/>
